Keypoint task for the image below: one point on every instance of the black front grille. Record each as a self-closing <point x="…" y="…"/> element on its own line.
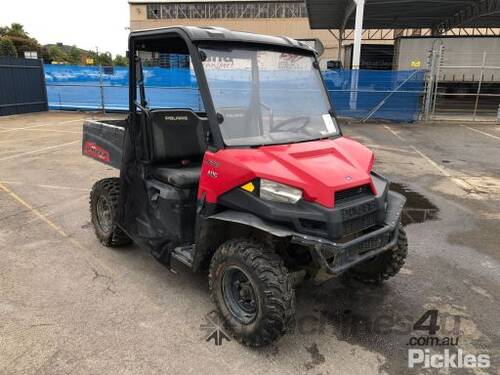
<point x="353" y="193"/>
<point x="372" y="243"/>
<point x="359" y="210"/>
<point x="359" y="224"/>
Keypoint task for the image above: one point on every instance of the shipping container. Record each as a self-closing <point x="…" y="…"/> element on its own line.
<point x="461" y="58"/>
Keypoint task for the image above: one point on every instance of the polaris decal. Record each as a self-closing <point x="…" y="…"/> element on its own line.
<point x="212" y="163"/>
<point x="96" y="152"/>
<point x="176" y="118"/>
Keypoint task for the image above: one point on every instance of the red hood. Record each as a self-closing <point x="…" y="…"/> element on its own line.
<point x="319" y="168"/>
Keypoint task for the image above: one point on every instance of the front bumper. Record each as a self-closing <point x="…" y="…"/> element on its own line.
<point x="335" y="258"/>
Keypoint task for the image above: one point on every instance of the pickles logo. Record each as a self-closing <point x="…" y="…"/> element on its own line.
<point x="448" y="359"/>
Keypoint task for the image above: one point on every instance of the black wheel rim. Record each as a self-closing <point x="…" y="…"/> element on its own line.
<point x="103" y="214"/>
<point x="239" y="294"/>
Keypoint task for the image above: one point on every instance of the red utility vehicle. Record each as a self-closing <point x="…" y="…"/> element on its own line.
<point x="254" y="181"/>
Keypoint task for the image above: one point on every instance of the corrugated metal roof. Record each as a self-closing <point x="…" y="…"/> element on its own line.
<point x="204" y="1"/>
<point x="396" y="14"/>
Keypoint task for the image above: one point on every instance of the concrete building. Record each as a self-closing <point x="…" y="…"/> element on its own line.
<point x="277" y="17"/>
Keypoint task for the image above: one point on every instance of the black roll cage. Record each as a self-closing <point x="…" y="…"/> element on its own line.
<point x="216" y="141"/>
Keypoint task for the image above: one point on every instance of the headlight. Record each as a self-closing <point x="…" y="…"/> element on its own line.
<point x="274" y="191"/>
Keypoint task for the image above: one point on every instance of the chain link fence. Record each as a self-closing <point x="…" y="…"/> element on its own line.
<point x="463" y="86"/>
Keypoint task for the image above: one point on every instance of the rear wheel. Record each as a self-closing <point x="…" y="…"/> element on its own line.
<point x="252" y="290"/>
<point x="104" y="199"/>
<point x="383" y="266"/>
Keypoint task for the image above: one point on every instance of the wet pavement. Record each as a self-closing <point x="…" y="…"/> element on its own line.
<point x="69" y="305"/>
<point x="418" y="208"/>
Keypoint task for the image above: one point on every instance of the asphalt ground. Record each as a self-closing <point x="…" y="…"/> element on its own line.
<point x="70" y="305"/>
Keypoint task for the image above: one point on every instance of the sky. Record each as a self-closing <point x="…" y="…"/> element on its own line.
<point x="85" y="23"/>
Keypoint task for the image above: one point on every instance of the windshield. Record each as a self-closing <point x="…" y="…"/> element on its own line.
<point x="267" y="97"/>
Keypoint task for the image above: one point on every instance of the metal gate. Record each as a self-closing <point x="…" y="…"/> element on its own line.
<point x="22" y="86"/>
<point x="468" y="90"/>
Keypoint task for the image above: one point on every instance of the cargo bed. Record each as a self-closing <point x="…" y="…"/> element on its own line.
<point x="103" y="140"/>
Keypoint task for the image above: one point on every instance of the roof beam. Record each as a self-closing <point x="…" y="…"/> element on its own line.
<point x="478" y="9"/>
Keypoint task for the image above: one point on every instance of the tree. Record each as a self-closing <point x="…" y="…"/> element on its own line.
<point x="20" y="38"/>
<point x="74" y="56"/>
<point x="105" y="59"/>
<point x="16" y="29"/>
<point x="24" y="44"/>
<point x="120" y="61"/>
<point x="57" y="54"/>
<point x="45" y="55"/>
<point x="7" y="48"/>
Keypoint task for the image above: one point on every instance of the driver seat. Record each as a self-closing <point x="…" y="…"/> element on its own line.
<point x="179" y="143"/>
<point x="183" y="178"/>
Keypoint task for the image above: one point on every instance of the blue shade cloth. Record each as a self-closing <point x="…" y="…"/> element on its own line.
<point x="373" y="87"/>
<point x="75" y="87"/>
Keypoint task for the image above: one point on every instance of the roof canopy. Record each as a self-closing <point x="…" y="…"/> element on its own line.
<point x="439" y="15"/>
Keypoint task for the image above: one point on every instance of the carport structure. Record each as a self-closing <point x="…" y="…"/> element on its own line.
<point x="439" y="16"/>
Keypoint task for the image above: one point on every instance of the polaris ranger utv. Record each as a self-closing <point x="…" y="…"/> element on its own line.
<point x="253" y="180"/>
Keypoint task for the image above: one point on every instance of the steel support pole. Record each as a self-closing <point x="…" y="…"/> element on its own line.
<point x="436" y="80"/>
<point x="339" y="54"/>
<point x="356" y="55"/>
<point x="430" y="84"/>
<point x="358" y="32"/>
<point x="101" y="86"/>
<point x="478" y="93"/>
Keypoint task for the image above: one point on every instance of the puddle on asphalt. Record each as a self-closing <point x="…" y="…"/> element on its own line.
<point x="418" y="208"/>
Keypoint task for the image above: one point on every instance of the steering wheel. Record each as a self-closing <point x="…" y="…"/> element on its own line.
<point x="285" y="123"/>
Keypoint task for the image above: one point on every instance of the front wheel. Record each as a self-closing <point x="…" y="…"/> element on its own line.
<point x="252" y="290"/>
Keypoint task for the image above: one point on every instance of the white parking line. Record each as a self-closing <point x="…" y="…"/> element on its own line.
<point x="464" y="185"/>
<point x="386" y="148"/>
<point x="62" y="209"/>
<point x="54" y="130"/>
<point x="460" y="182"/>
<point x="90" y="259"/>
<point x="40" y="125"/>
<point x="32" y="138"/>
<point x="481" y="132"/>
<point x="394" y="133"/>
<point x="43" y="186"/>
<point x="39" y="150"/>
